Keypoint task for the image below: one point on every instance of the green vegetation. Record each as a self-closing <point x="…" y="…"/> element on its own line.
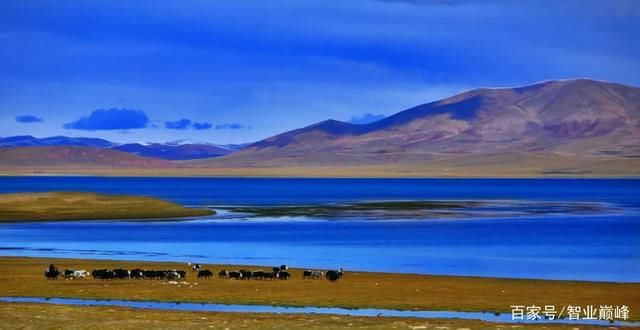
<point x="57" y="206"/>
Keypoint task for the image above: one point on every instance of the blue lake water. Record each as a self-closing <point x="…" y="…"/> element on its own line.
<point x="600" y="246"/>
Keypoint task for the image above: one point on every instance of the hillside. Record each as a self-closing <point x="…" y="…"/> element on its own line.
<point x="75" y="157"/>
<point x="576" y="127"/>
<point x="584" y="120"/>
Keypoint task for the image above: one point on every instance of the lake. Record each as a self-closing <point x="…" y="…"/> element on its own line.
<point x="544" y="242"/>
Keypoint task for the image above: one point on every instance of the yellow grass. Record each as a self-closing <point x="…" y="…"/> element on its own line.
<point x="88" y="206"/>
<point x="381" y="171"/>
<point x="42" y="316"/>
<point x="24" y="277"/>
<point x="516" y="165"/>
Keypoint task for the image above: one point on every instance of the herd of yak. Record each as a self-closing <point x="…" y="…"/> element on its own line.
<point x="277" y="273"/>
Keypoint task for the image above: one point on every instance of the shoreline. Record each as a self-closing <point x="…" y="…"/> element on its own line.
<point x="362" y="171"/>
<point x="37" y="315"/>
<point x="321" y="176"/>
<point x="22" y="277"/>
<point x="490" y="317"/>
<point x="89" y="206"/>
<point x="300" y="269"/>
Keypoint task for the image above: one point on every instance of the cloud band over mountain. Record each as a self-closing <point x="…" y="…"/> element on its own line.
<point x="110" y="119"/>
<point x="184" y="124"/>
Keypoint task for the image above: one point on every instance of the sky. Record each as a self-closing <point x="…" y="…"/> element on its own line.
<point x="240" y="71"/>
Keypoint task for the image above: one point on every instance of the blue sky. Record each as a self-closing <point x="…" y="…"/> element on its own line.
<point x="239" y="71"/>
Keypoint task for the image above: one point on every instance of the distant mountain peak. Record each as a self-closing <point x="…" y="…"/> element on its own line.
<point x="186" y="141"/>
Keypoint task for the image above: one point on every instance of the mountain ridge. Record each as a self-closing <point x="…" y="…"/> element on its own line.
<point x="548" y="117"/>
<point x="58" y="140"/>
<point x="173" y="150"/>
<point x="575" y="127"/>
<point x="76" y="156"/>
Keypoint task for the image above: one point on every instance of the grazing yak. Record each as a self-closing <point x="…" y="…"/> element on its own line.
<point x="280" y="273"/>
<point x="136" y="273"/>
<point x="106" y="274"/>
<point x="283" y="275"/>
<point x="80" y="274"/>
<point x="235" y="275"/>
<point x="270" y="276"/>
<point x="70" y="274"/>
<point x="334" y="275"/>
<point x="172" y="276"/>
<point x="52" y="272"/>
<point x="312" y="274"/>
<point x="159" y="274"/>
<point x="282" y="267"/>
<point x="246" y="275"/>
<point x="51" y="275"/>
<point x="205" y="274"/>
<point x="103" y="274"/>
<point x="153" y="274"/>
<point x="121" y="274"/>
<point x="258" y="274"/>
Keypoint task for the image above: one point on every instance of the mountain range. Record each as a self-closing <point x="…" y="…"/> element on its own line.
<point x="75" y="157"/>
<point x="572" y="122"/>
<point x="30" y="141"/>
<point x="565" y="127"/>
<point x="174" y="150"/>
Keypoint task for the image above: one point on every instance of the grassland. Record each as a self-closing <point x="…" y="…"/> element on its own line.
<point x="22" y="277"/>
<point x="42" y="316"/>
<point x="513" y="165"/>
<point x="88" y="206"/>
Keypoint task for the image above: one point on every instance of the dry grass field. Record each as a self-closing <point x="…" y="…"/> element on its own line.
<point x="24" y="277"/>
<point x="511" y="165"/>
<point x="88" y="206"/>
<point x="42" y="316"/>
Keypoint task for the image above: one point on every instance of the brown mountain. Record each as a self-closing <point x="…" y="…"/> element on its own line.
<point x="75" y="157"/>
<point x="568" y="127"/>
<point x="551" y="122"/>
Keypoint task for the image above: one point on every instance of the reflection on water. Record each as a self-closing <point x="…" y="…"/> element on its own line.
<point x="415" y="210"/>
